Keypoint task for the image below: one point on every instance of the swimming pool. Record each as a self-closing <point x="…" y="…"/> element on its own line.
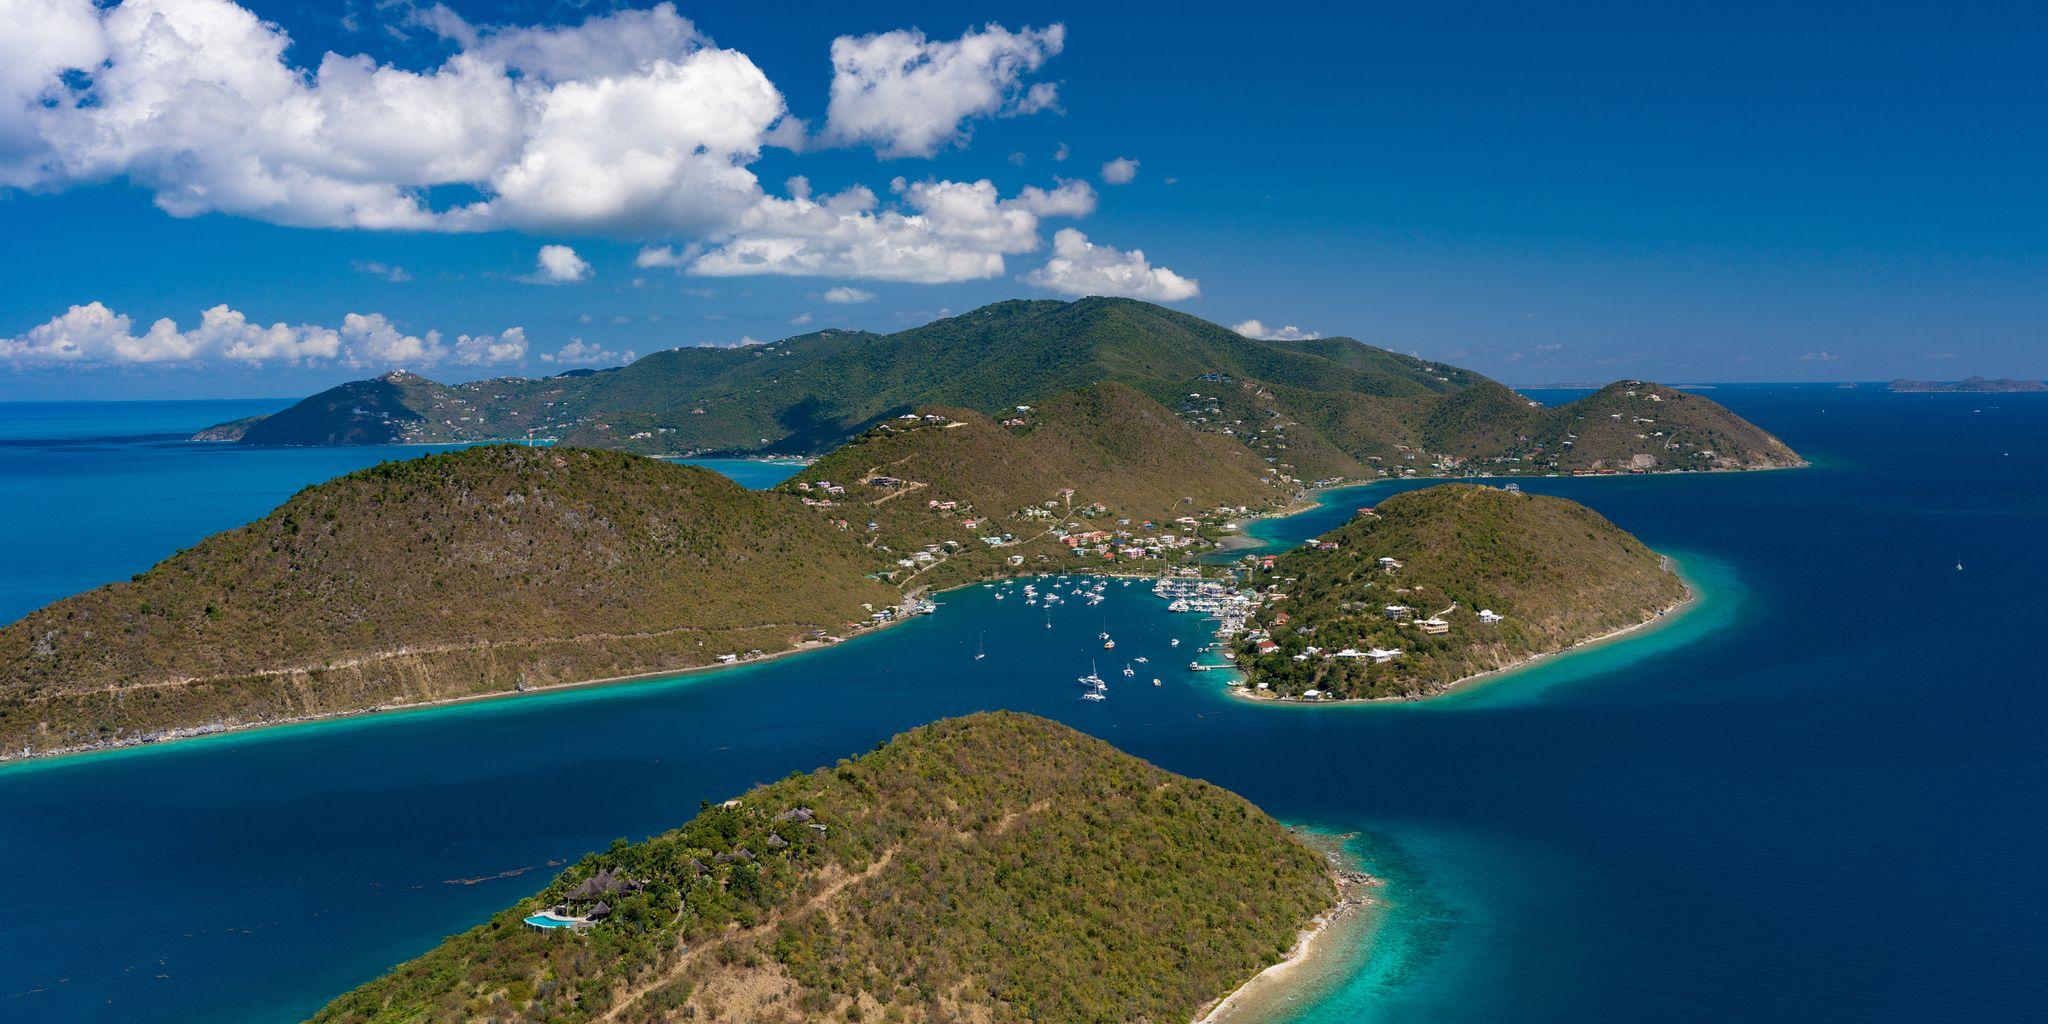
<point x="551" y="921"/>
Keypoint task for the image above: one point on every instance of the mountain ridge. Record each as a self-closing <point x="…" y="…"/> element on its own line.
<point x="1348" y="409"/>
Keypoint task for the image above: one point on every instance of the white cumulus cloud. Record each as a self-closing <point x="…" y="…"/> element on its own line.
<point x="847" y="296"/>
<point x="907" y="95"/>
<point x="666" y="256"/>
<point x="628" y="122"/>
<point x="506" y="346"/>
<point x="1257" y="329"/>
<point x="583" y="353"/>
<point x="939" y="231"/>
<point x="559" y="264"/>
<point x="1078" y="267"/>
<point x="1120" y="171"/>
<point x="374" y="340"/>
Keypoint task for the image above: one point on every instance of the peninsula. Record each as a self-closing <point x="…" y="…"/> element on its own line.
<point x="1435" y="586"/>
<point x="487" y="570"/>
<point x="997" y="868"/>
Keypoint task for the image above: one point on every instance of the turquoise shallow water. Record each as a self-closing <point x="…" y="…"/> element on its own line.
<point x="1816" y="796"/>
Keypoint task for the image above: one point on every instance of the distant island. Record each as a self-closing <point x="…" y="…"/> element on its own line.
<point x="1973" y="385"/>
<point x="997" y="868"/>
<point x="1435" y="586"/>
<point x="1316" y="409"/>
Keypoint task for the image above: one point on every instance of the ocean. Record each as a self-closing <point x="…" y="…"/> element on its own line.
<point x="1816" y="795"/>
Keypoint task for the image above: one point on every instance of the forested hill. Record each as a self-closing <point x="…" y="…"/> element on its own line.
<point x="484" y="570"/>
<point x="1551" y="573"/>
<point x="1318" y="408"/>
<point x="1081" y="478"/>
<point x="996" y="868"/>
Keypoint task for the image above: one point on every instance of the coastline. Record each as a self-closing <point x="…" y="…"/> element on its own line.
<point x="1343" y="926"/>
<point x="1665" y="616"/>
<point x="9" y="760"/>
<point x="1310" y="500"/>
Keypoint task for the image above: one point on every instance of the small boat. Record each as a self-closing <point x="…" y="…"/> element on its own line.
<point x="1093" y="680"/>
<point x="1094" y="695"/>
<point x="980" y="651"/>
<point x="1141" y="659"/>
<point x="1155" y="680"/>
<point x="1108" y="645"/>
<point x="1175" y="642"/>
<point x="1129" y="671"/>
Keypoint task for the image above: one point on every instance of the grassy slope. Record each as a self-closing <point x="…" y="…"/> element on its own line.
<point x="1107" y="443"/>
<point x="992" y="868"/>
<point x="467" y="572"/>
<point x="1559" y="571"/>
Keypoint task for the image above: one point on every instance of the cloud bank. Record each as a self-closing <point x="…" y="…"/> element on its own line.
<point x="93" y="334"/>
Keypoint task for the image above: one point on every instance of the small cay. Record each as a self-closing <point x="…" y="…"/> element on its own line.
<point x="997" y="868"/>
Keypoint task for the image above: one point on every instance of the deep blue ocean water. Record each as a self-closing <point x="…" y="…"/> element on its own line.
<point x="1817" y="795"/>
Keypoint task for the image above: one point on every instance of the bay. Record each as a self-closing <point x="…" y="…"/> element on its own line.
<point x="1816" y="795"/>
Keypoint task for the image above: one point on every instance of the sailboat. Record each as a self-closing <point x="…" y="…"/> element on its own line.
<point x="1092" y="680"/>
<point x="1129" y="671"/>
<point x="981" y="648"/>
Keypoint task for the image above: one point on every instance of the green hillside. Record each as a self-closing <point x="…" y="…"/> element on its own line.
<point x="1557" y="572"/>
<point x="1101" y="460"/>
<point x="1640" y="426"/>
<point x="483" y="570"/>
<point x="996" y="868"/>
<point x="500" y="568"/>
<point x="1314" y="409"/>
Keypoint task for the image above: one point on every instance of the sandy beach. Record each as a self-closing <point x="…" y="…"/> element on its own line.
<point x="1319" y="951"/>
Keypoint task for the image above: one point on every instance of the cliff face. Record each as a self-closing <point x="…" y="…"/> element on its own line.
<point x="996" y="868"/>
<point x="1556" y="573"/>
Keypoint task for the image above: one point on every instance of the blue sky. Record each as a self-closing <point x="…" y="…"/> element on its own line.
<point x="1712" y="192"/>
